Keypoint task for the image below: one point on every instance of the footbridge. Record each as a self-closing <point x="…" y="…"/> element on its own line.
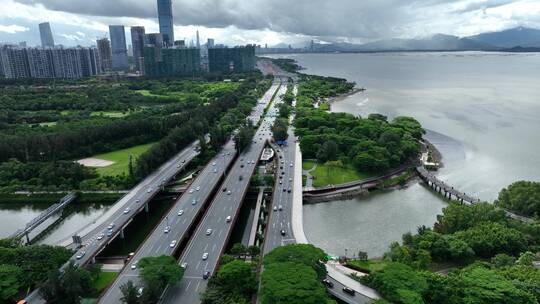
<point x="40" y="220"/>
<point x="443" y="188"/>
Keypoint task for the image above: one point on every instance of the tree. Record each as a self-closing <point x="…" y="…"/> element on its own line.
<point x="130" y="294"/>
<point x="292" y="283"/>
<point x="244" y="136"/>
<point x="305" y="254"/>
<point x="10" y="282"/>
<point x="489" y="239"/>
<point x="238" y="249"/>
<point x="502" y="260"/>
<point x="253" y="250"/>
<point x="522" y="197"/>
<point x="157" y="272"/>
<point x="68" y="288"/>
<point x="328" y="151"/>
<point x="457" y="217"/>
<point x="279" y="130"/>
<point x="526" y="258"/>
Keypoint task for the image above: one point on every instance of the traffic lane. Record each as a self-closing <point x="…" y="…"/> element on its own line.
<point x="337" y="291"/>
<point x="189" y="288"/>
<point x="157" y="244"/>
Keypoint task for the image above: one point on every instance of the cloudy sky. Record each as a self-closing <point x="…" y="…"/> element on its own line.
<point x="79" y="22"/>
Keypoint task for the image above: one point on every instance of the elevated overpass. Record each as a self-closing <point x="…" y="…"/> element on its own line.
<point x="199" y="192"/>
<point x="226" y="203"/>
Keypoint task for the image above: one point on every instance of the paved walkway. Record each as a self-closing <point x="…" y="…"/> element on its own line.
<point x="297" y="212"/>
<point x="309" y="178"/>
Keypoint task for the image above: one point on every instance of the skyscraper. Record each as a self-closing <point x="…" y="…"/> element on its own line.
<point x="137" y="42"/>
<point x="118" y="47"/>
<point x="104" y="53"/>
<point x="166" y="20"/>
<point x="46" y="35"/>
<point x="198" y="41"/>
<point x="210" y="43"/>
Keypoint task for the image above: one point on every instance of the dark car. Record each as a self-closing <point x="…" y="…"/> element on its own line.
<point x="224" y="189"/>
<point x="348" y="290"/>
<point x="206" y="275"/>
<point x="328" y="283"/>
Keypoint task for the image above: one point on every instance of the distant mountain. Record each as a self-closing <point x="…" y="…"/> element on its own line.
<point x="436" y="42"/>
<point x="519" y="36"/>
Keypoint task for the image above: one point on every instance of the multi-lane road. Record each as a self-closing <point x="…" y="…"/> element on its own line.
<point x="96" y="235"/>
<point x="178" y="221"/>
<point x="208" y="242"/>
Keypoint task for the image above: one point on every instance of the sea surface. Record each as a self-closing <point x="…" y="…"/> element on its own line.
<point x="481" y="110"/>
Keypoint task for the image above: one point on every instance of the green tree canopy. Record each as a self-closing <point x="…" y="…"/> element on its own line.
<point x="522" y="197"/>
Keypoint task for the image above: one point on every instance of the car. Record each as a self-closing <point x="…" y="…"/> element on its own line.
<point x="328" y="283"/>
<point x="214" y="163"/>
<point x="80" y="255"/>
<point x="284" y="190"/>
<point x="109" y="233"/>
<point x="280" y="208"/>
<point x="229" y="192"/>
<point x="289" y="191"/>
<point x="228" y="219"/>
<point x="290" y="165"/>
<point x="149" y="190"/>
<point x="280" y="177"/>
<point x="349" y="291"/>
<point x="111" y="226"/>
<point x="275" y="208"/>
<point x="126" y="211"/>
<point x="280" y="182"/>
<point x="240" y="177"/>
<point x="215" y="170"/>
<point x="282" y="172"/>
<point x="190" y="191"/>
<point x="282" y="232"/>
<point x="183" y="161"/>
<point x="140" y="292"/>
<point x="198" y="188"/>
<point x="208" y="231"/>
<point x="134" y="265"/>
<point x="137" y="201"/>
<point x="178" y="166"/>
<point x="290" y="179"/>
<point x="282" y="161"/>
<point x="224" y="189"/>
<point x="167" y="229"/>
<point x="194" y="201"/>
<point x="206" y="275"/>
<point x="180" y="212"/>
<point x="205" y="256"/>
<point x="242" y="166"/>
<point x="172" y="244"/>
<point x="100" y="236"/>
<point x="184" y="265"/>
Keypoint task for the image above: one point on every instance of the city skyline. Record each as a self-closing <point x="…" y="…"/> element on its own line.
<point x="78" y="22"/>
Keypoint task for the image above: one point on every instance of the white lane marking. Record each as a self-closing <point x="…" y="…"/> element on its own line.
<point x="197" y="288"/>
<point x="220" y="232"/>
<point x="205" y="247"/>
<point x="198" y="264"/>
<point x="214" y="248"/>
<point x="188" y="284"/>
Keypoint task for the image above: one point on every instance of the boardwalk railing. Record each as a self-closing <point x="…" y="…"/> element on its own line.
<point x="64" y="201"/>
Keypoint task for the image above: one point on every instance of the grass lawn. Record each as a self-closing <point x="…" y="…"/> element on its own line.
<point x="326" y="175"/>
<point x="120" y="159"/>
<point x="47" y="124"/>
<point x="104" y="279"/>
<point x="110" y="114"/>
<point x="366" y="266"/>
<point x="148" y="93"/>
<point x="308" y="164"/>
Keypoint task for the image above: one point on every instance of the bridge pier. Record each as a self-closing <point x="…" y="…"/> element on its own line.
<point x="122" y="233"/>
<point x="27" y="237"/>
<point x="146" y="207"/>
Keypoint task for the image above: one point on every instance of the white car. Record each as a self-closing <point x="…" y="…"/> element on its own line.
<point x="180" y="212"/>
<point x="184" y="265"/>
<point x="173" y="243"/>
<point x="229" y="192"/>
<point x="280" y="208"/>
<point x="100" y="236"/>
<point x="167" y="229"/>
<point x="194" y="201"/>
<point x="198" y="188"/>
<point x="134" y="265"/>
<point x="214" y="163"/>
<point x="149" y="190"/>
<point x="80" y="255"/>
<point x="205" y="256"/>
<point x="275" y="208"/>
<point x="215" y="170"/>
<point x="190" y="191"/>
<point x="290" y="179"/>
<point x="290" y="165"/>
<point x="208" y="231"/>
<point x="111" y="226"/>
<point x="126" y="211"/>
<point x="228" y="219"/>
<point x="137" y="201"/>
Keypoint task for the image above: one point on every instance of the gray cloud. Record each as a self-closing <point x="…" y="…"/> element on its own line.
<point x="325" y="19"/>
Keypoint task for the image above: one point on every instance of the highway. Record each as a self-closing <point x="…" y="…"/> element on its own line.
<point x="211" y="243"/>
<point x="97" y="235"/>
<point x="190" y="203"/>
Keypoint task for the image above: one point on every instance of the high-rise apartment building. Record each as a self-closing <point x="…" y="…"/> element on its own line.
<point x="231" y="60"/>
<point x="104" y="54"/>
<point x="160" y="62"/>
<point x="210" y="43"/>
<point x="166" y="26"/>
<point x="137" y="42"/>
<point x="45" y="32"/>
<point x="14" y="62"/>
<point x="118" y="47"/>
<point x="49" y="62"/>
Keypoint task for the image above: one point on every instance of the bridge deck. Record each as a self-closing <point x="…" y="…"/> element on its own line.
<point x="429" y="177"/>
